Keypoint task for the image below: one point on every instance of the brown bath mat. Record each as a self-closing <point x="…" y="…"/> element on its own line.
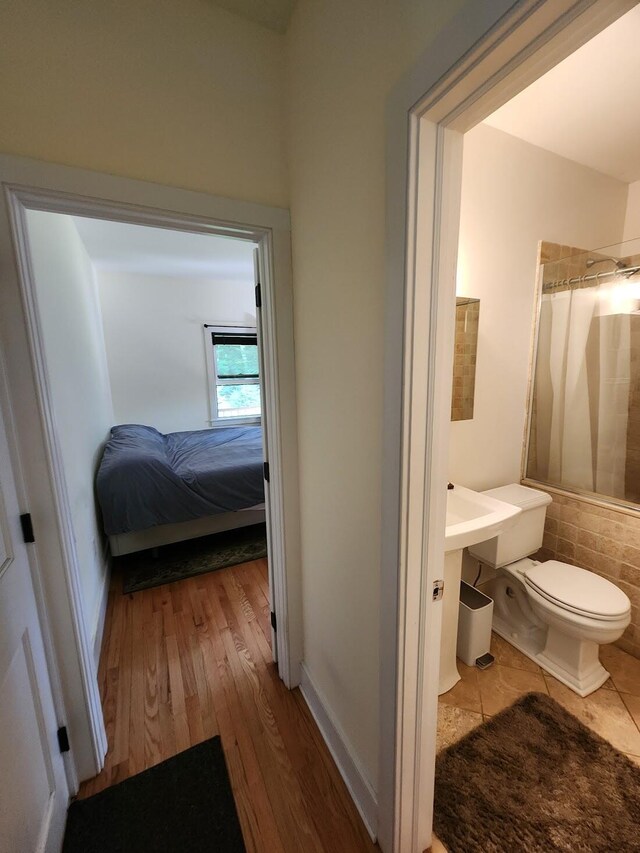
<point x="534" y="778"/>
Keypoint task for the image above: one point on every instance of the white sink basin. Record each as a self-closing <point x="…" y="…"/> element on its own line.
<point x="473" y="517"/>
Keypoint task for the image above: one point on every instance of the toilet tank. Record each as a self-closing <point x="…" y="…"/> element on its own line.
<point x="524" y="537"/>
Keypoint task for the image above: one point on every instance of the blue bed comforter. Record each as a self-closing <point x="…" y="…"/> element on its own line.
<point x="146" y="478"/>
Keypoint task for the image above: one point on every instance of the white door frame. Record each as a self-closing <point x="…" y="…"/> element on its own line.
<point x="32" y="185"/>
<point x="487" y="54"/>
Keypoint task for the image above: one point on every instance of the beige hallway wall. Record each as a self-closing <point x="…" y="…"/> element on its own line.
<point x="344" y="58"/>
<point x="181" y="93"/>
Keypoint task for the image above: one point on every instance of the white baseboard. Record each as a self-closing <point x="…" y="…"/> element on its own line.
<point x="343" y="754"/>
<point x="101" y="613"/>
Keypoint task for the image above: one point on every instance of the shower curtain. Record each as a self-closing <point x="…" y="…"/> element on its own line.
<point x="613" y="416"/>
<point x="582" y="390"/>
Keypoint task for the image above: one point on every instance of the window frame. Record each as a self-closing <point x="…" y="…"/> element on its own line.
<point x="213" y="381"/>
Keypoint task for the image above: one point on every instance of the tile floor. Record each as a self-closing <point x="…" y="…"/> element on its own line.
<point x="613" y="711"/>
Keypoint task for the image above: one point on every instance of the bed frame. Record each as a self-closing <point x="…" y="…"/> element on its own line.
<point x="165" y="534"/>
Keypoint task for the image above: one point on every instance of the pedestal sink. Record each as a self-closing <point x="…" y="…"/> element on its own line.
<point x="472" y="517"/>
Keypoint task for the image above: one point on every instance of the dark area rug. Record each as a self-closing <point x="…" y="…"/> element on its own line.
<point x="193" y="557"/>
<point x="534" y="778"/>
<point x="183" y="805"/>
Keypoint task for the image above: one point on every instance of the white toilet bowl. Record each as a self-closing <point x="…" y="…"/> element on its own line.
<point x="555" y="613"/>
<point x="563" y="638"/>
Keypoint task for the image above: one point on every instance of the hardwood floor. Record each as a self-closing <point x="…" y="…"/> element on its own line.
<point x="186" y="661"/>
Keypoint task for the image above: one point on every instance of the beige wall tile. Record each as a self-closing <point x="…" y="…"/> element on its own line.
<point x="630" y="574"/>
<point x="631" y="555"/>
<point x="568" y="531"/>
<point x="566" y="550"/>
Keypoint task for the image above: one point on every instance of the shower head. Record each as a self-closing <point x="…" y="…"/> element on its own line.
<point x="619" y="264"/>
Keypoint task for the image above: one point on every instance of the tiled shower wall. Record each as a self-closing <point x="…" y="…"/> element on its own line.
<point x="600" y="539"/>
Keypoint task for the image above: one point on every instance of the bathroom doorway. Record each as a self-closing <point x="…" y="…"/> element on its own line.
<point x="533" y="38"/>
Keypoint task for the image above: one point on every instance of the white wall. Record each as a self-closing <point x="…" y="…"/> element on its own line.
<point x="180" y="93"/>
<point x="156" y="347"/>
<point x="77" y="370"/>
<point x="513" y="195"/>
<point x="344" y="58"/>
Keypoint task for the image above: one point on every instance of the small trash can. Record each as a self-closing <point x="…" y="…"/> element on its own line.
<point x="474" y="624"/>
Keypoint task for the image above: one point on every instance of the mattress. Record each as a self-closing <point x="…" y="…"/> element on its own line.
<point x="146" y="478"/>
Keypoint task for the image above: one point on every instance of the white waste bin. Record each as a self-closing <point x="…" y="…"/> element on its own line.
<point x="474" y="624"/>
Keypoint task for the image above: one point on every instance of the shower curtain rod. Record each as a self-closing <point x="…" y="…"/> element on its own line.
<point x="590" y="280"/>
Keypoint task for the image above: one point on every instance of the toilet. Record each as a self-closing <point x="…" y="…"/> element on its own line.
<point x="556" y="614"/>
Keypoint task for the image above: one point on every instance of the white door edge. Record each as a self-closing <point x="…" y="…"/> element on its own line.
<point x="35" y="777"/>
<point x="274" y="544"/>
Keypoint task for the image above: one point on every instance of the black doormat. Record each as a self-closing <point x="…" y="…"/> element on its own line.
<point x="534" y="779"/>
<point x="193" y="557"/>
<point x="183" y="805"/>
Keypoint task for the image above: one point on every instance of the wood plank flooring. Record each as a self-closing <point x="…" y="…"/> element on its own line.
<point x="186" y="661"/>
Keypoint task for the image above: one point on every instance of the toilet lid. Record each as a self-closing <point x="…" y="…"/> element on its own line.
<point x="578" y="590"/>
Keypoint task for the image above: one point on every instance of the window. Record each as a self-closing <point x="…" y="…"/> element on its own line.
<point x="234" y="371"/>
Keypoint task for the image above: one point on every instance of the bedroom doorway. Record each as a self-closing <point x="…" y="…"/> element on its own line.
<point x="265" y="587"/>
<point x="167" y="427"/>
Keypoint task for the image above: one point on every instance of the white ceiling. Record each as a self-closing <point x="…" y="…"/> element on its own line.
<point x="274" y="14"/>
<point x="586" y="108"/>
<point x="121" y="247"/>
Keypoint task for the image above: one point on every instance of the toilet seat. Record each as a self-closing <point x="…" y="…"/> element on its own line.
<point x="577" y="591"/>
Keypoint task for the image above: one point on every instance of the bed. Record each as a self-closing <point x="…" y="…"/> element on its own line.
<point x="154" y="489"/>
